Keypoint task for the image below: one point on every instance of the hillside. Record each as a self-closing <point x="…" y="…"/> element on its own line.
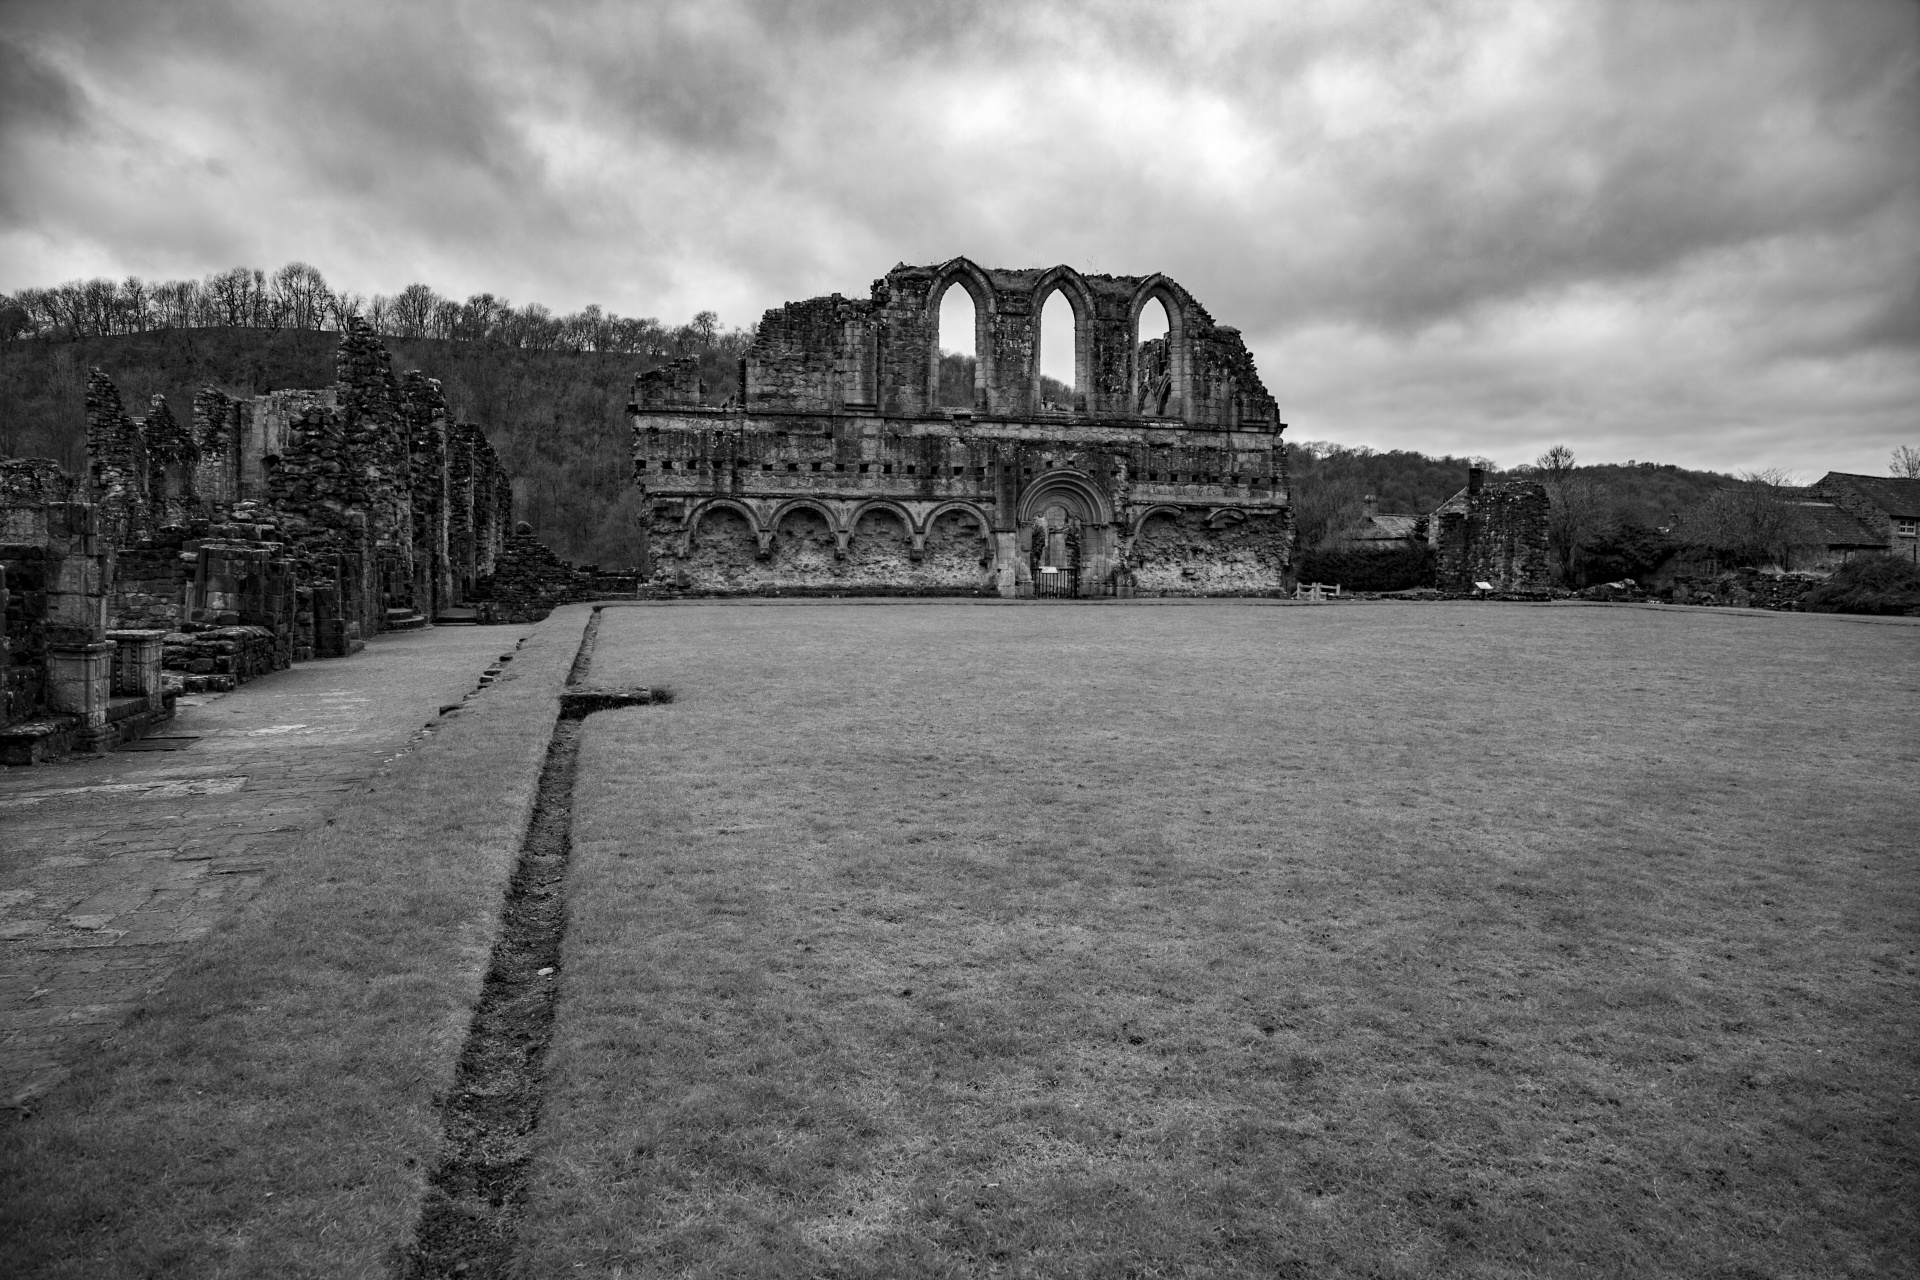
<point x="1331" y="481"/>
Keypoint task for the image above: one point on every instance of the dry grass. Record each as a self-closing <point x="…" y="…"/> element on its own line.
<point x="274" y="1111"/>
<point x="1216" y="940"/>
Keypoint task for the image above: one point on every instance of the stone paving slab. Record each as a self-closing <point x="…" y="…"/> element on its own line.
<point x="111" y="867"/>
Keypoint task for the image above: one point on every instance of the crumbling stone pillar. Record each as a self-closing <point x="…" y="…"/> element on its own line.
<point x="119" y="470"/>
<point x="462" y="495"/>
<point x="218" y="431"/>
<point x="426" y="410"/>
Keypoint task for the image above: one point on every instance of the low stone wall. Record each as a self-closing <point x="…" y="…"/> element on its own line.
<point x="215" y="659"/>
<point x="1744" y="589"/>
<point x="529" y="582"/>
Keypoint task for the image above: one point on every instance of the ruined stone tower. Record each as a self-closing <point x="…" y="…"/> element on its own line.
<point x="838" y="468"/>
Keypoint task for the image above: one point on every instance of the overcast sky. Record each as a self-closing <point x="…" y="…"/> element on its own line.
<point x="1678" y="231"/>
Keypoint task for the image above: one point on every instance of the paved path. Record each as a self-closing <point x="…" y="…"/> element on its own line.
<point x="111" y="867"/>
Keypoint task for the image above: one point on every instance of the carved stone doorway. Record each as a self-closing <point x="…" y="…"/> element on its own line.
<point x="1056" y="552"/>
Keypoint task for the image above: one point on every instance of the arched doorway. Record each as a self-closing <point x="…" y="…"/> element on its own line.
<point x="1067" y="527"/>
<point x="1053" y="552"/>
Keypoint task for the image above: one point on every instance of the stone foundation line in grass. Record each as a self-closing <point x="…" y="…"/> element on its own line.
<point x="276" y="1109"/>
<point x="470" y="1219"/>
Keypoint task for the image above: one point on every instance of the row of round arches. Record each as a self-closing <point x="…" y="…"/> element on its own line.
<point x="764" y="518"/>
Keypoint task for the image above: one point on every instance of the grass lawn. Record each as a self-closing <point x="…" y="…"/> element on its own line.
<point x="1218" y="939"/>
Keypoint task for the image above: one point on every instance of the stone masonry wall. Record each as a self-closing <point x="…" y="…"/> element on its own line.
<point x="1495" y="534"/>
<point x="42" y="524"/>
<point x="528" y="581"/>
<point x="838" y="470"/>
<point x="427" y="428"/>
<point x="218" y="434"/>
<point x="172" y="458"/>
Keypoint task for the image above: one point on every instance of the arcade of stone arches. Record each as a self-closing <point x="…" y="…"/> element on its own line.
<point x="1067" y="540"/>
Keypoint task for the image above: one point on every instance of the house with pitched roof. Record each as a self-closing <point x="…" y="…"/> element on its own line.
<point x="1887" y="507"/>
<point x="1371" y="531"/>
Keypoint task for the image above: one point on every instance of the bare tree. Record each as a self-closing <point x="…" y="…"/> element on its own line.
<point x="36" y="312"/>
<point x="1750" y="523"/>
<point x="15" y="322"/>
<point x="237" y="296"/>
<point x="136" y="302"/>
<point x="1323" y="506"/>
<point x="341" y="307"/>
<point x="413" y="309"/>
<point x="535" y="328"/>
<point x="1555" y="465"/>
<point x="1580" y="508"/>
<point x="1906" y="462"/>
<point x="100" y="303"/>
<point x="300" y="293"/>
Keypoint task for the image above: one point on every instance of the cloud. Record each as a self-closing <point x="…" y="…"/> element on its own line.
<point x="1652" y="230"/>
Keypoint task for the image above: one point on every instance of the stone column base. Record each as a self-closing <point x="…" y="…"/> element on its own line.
<point x="79" y="684"/>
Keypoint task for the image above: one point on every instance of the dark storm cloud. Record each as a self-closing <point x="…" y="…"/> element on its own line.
<point x="34" y="94"/>
<point x="1462" y="225"/>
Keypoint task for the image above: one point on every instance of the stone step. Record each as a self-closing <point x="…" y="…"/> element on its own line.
<point x="458" y="616"/>
<point x="32" y="741"/>
<point x="406" y="621"/>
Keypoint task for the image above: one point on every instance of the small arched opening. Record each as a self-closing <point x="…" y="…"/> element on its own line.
<point x="1153" y="359"/>
<point x="1059" y="356"/>
<point x="956" y="358"/>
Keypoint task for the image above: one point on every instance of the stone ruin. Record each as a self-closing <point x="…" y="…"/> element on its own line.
<point x="286" y="527"/>
<point x="837" y="469"/>
<point x="1496" y="534"/>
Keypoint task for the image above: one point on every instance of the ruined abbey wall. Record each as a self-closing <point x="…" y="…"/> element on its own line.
<point x="838" y="470"/>
<point x="289" y="526"/>
<point x="345" y="492"/>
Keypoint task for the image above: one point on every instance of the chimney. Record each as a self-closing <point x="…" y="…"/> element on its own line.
<point x="1369" y="506"/>
<point x="1475" y="479"/>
